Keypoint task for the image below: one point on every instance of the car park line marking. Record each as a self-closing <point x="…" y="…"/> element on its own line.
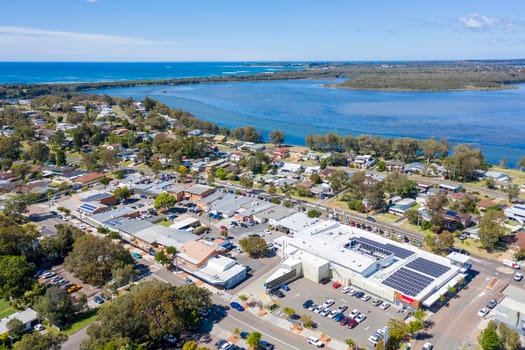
<point x="341" y="299"/>
<point x="264" y="333"/>
<point x="296" y="295"/>
<point x="367" y="328"/>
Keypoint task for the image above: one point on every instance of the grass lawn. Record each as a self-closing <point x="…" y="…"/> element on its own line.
<point x="474" y="247"/>
<point x="166" y="223"/>
<point x="388" y="218"/>
<point x="5" y="308"/>
<point x="81" y="321"/>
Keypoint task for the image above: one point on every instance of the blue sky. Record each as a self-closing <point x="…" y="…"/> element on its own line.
<point x="235" y="30"/>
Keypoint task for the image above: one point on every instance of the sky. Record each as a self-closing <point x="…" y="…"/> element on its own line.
<point x="270" y="30"/>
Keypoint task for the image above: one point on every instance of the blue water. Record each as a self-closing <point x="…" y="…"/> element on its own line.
<point x="491" y="120"/>
<point x="74" y="72"/>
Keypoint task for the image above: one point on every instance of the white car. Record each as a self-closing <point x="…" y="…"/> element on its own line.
<point x="351" y="291"/>
<point x="328" y="303"/>
<point x="346" y="289"/>
<point x="319" y="309"/>
<point x="384" y="306"/>
<point x="353" y="313"/>
<point x="315" y="341"/>
<point x="428" y="346"/>
<point x="482" y="312"/>
<point x="373" y="339"/>
<point x="226" y="346"/>
<point x="332" y="313"/>
<point x="360" y="318"/>
<point x="365" y="297"/>
<point x="518" y="276"/>
<point x="325" y="312"/>
<point x="39" y="327"/>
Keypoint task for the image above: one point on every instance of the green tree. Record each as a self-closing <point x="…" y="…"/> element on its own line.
<point x="16" y="205"/>
<point x="108" y="158"/>
<point x="288" y="311"/>
<point x="488" y="339"/>
<point x="162" y="258"/>
<point x="246" y="181"/>
<point x="313" y="213"/>
<point x="221" y="173"/>
<point x="165" y="200"/>
<point x="16" y="276"/>
<point x="255" y="246"/>
<point x="253" y="339"/>
<point x="39" y="341"/>
<point x="521" y="162"/>
<point x="351" y="343"/>
<point x="491" y="228"/>
<point x="307" y="321"/>
<point x="464" y="162"/>
<point x="15" y="327"/>
<point x="277" y="137"/>
<point x="122" y="193"/>
<point x="398" y="330"/>
<point x="415" y="326"/>
<point x="60" y="157"/>
<point x="251" y="135"/>
<point x="20" y="170"/>
<point x="512" y="191"/>
<point x="56" y="306"/>
<point x="38" y="152"/>
<point x="508" y="337"/>
<point x="93" y="259"/>
<point x="338" y="180"/>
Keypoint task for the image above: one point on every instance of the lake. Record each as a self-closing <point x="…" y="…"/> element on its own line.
<point x="491" y="120"/>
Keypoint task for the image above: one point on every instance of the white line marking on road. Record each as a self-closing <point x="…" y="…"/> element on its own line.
<point x="266" y="334"/>
<point x="344" y="301"/>
<point x="296" y="295"/>
<point x="367" y="328"/>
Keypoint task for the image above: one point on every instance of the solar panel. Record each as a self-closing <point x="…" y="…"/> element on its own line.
<point x="428" y="267"/>
<point x="407" y="281"/>
<point x="88" y="207"/>
<point x="397" y="251"/>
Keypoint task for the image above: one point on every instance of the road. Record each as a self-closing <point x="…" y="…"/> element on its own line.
<point x="74" y="340"/>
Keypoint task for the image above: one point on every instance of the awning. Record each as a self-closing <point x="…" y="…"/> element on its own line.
<point x="428" y="302"/>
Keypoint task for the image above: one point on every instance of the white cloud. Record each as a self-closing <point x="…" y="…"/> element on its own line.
<point x="476" y="21"/>
<point x="91" y="1"/>
<point x="28" y="32"/>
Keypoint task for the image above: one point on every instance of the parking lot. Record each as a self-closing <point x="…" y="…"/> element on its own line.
<point x="302" y="290"/>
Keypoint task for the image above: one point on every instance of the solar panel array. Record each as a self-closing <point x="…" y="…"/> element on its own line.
<point x="428" y="267"/>
<point x="398" y="251"/>
<point x="407" y="281"/>
<point x="88" y="207"/>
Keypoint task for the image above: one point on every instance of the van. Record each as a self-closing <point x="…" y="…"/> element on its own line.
<point x="511" y="263"/>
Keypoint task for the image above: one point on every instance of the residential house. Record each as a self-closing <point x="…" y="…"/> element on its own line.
<point x="497" y="176"/>
<point x="401" y="207"/>
<point x="291" y="168"/>
<point x="395" y="166"/>
<point x="197" y="192"/>
<point x="516" y="213"/>
<point x="364" y="161"/>
<point x="282" y="152"/>
<point x="89" y="178"/>
<point x="220" y="138"/>
<point x="450" y="188"/>
<point x="415" y="168"/>
<point x="28" y="317"/>
<point x="236" y="156"/>
<point x="258" y="147"/>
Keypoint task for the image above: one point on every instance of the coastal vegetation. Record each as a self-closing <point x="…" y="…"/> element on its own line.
<point x="402" y="76"/>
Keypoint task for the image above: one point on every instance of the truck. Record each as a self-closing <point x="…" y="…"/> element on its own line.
<point x="510" y="263"/>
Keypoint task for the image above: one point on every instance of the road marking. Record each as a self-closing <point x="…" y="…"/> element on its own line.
<point x="344" y="301"/>
<point x="296" y="295"/>
<point x="367" y="328"/>
<point x="266" y="334"/>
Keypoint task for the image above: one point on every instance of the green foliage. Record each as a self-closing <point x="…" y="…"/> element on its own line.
<point x="162" y="258"/>
<point x="488" y="339"/>
<point x="491" y="228"/>
<point x="92" y="259"/>
<point x="313" y="213"/>
<point x="165" y="200"/>
<point x="307" y="321"/>
<point x="520" y="254"/>
<point x="246" y="181"/>
<point x="303" y="191"/>
<point x="16" y="205"/>
<point x="15" y="326"/>
<point x="439" y="243"/>
<point x="221" y="173"/>
<point x="464" y="162"/>
<point x="288" y="311"/>
<point x="56" y="306"/>
<point x="39" y="341"/>
<point x="277" y="137"/>
<point x="62" y="242"/>
<point x="415" y="326"/>
<point x="148" y="312"/>
<point x="513" y="192"/>
<point x="255" y="246"/>
<point x="338" y="180"/>
<point x="381" y="166"/>
<point x="253" y="339"/>
<point x="122" y="193"/>
<point x="16" y="276"/>
<point x="509" y="338"/>
<point x="275" y="200"/>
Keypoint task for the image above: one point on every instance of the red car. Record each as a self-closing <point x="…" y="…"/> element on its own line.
<point x="351" y="323"/>
<point x="352" y="223"/>
<point x="336" y="285"/>
<point x="344" y="321"/>
<point x="224" y="228"/>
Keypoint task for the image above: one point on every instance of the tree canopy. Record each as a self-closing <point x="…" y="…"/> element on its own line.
<point x="491" y="228"/>
<point x="255" y="246"/>
<point x="165" y="200"/>
<point x="93" y="259"/>
<point x="56" y="306"/>
<point x="147" y="313"/>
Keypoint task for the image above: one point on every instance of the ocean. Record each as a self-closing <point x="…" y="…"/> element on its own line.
<point x="493" y="121"/>
<point x="79" y="72"/>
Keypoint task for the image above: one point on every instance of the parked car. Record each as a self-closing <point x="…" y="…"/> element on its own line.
<point x="285" y="287"/>
<point x="324" y="281"/>
<point x="224" y="228"/>
<point x="336" y="285"/>
<point x="342" y="308"/>
<point x="325" y="312"/>
<point x="373" y="339"/>
<point x="483" y="312"/>
<point x="491" y="304"/>
<point x="376" y="302"/>
<point x="312" y="307"/>
<point x="236" y="306"/>
<point x="315" y="341"/>
<point x="73" y="288"/>
<point x="365" y="297"/>
<point x="384" y="306"/>
<point x="307" y="303"/>
<point x="244" y="335"/>
<point x="264" y="345"/>
<point x="360" y="318"/>
<point x="428" y="346"/>
<point x="188" y="280"/>
<point x="344" y="321"/>
<point x="38" y="327"/>
<point x="137" y="255"/>
<point x="353" y="313"/>
<point x="518" y="276"/>
<point x="277" y="293"/>
<point x="359" y="294"/>
<point x="351" y="323"/>
<point x="346" y="289"/>
<point x="98" y="300"/>
<point x="328" y="303"/>
<point x="338" y="317"/>
<point x="318" y="309"/>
